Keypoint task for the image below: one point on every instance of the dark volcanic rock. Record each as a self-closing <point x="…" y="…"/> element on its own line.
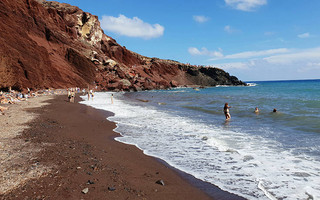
<point x="47" y="44"/>
<point x="111" y="189"/>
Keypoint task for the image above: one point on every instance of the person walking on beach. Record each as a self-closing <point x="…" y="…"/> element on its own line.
<point x="69" y="95"/>
<point x="72" y="95"/>
<point x="226" y="111"/>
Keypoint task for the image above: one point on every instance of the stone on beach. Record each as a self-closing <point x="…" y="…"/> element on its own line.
<point x="160" y="182"/>
<point x="85" y="190"/>
<point x="111" y="189"/>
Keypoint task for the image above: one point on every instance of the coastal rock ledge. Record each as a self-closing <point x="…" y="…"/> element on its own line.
<point x="46" y="44"/>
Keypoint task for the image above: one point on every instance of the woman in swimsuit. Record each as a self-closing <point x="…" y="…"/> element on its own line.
<point x="226" y="111"/>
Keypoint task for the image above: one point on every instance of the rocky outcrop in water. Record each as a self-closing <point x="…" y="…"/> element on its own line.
<point x="47" y="44"/>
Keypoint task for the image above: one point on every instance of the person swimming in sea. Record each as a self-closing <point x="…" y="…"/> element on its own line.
<point x="256" y="110"/>
<point x="226" y="111"/>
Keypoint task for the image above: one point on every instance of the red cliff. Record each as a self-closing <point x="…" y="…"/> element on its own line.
<point x="47" y="44"/>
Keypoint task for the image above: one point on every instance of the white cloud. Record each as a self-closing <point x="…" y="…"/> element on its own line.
<point x="134" y="27"/>
<point x="304" y="35"/>
<point x="273" y="56"/>
<point x="313" y="64"/>
<point x="300" y="55"/>
<point x="287" y="64"/>
<point x="232" y="65"/>
<point x="281" y="56"/>
<point x="252" y="54"/>
<point x="205" y="52"/>
<point x="194" y="51"/>
<point x="200" y="18"/>
<point x="228" y="29"/>
<point x="245" y="5"/>
<point x="218" y="55"/>
<point x="310" y="67"/>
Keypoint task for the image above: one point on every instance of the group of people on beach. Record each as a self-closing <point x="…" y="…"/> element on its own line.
<point x="227" y="111"/>
<point x="71" y="93"/>
<point x="10" y="96"/>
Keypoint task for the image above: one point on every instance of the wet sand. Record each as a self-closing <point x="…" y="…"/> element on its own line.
<point x="79" y="159"/>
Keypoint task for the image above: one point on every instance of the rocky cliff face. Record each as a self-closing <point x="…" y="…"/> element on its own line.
<point x="47" y="44"/>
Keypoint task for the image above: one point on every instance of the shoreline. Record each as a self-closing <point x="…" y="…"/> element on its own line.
<point x="78" y="147"/>
<point x="210" y="189"/>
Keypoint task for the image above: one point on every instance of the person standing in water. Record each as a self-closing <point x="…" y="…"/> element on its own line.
<point x="226" y="111"/>
<point x="92" y="94"/>
<point x="111" y="98"/>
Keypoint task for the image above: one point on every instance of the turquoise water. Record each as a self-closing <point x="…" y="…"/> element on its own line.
<point x="257" y="156"/>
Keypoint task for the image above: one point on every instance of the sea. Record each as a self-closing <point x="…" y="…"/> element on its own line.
<point x="263" y="155"/>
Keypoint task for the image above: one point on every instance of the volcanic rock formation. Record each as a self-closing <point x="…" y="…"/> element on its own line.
<point x="46" y="44"/>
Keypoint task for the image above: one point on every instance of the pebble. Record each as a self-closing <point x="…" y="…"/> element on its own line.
<point x="85" y="190"/>
<point x="90" y="182"/>
<point x="111" y="188"/>
<point x="204" y="138"/>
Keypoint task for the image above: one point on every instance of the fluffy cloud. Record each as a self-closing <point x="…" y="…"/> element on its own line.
<point x="200" y="19"/>
<point x="245" y="5"/>
<point x="205" y="52"/>
<point x="134" y="27"/>
<point x="304" y="35"/>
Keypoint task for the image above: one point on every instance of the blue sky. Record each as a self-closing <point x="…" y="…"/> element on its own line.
<point x="251" y="39"/>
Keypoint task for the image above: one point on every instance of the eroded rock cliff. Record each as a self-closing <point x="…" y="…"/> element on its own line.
<point x="46" y="44"/>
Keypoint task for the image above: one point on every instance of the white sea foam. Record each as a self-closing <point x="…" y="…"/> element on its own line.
<point x="251" y="84"/>
<point x="250" y="166"/>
